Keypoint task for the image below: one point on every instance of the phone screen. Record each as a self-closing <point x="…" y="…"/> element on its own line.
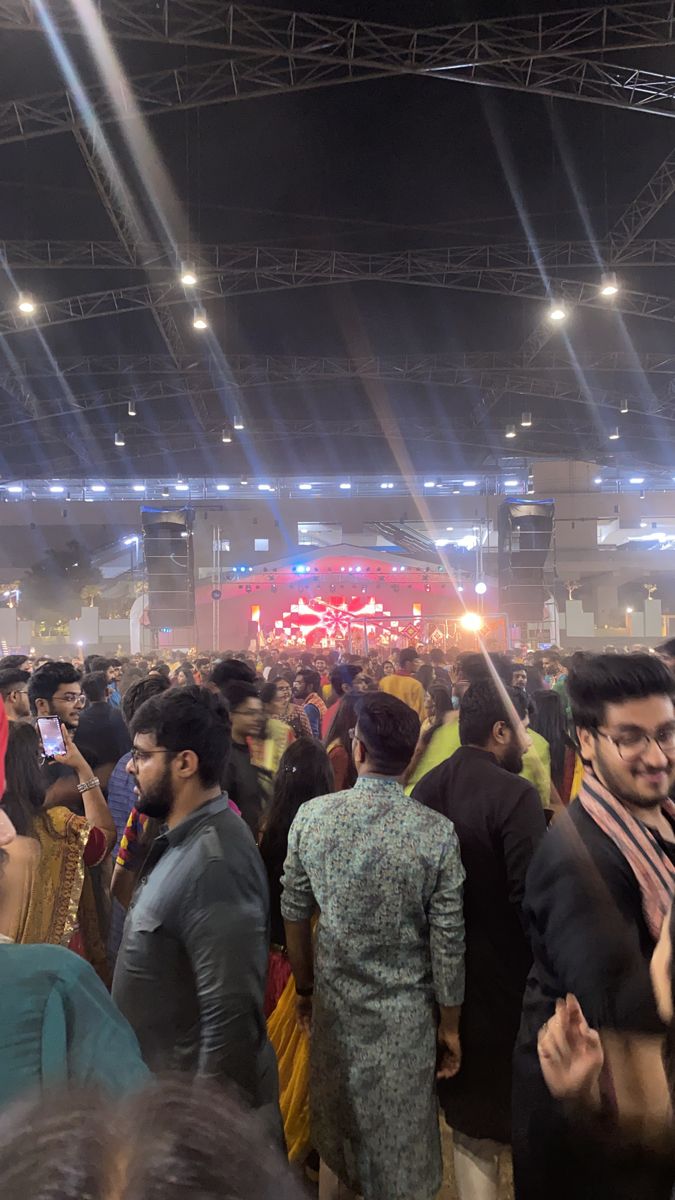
<point x="52" y="738"/>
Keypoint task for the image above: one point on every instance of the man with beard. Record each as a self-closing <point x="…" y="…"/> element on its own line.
<point x="596" y="895"/>
<point x="14" y="692"/>
<point x="192" y="968"/>
<point x="499" y="822"/>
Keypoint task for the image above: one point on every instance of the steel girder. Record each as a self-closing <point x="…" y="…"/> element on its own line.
<point x="256" y="29"/>
<point x="198" y="85"/>
<point x="265" y="370"/>
<point x="263" y="269"/>
<point x="130" y="253"/>
<point x="657" y="192"/>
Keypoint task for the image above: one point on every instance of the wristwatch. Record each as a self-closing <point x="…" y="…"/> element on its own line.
<point x="92" y="783"/>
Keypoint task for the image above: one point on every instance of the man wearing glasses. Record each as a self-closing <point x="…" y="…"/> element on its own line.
<point x="54" y="690"/>
<point x="597" y="892"/>
<point x="14" y="692"/>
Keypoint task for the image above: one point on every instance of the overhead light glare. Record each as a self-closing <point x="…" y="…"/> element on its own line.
<point x="98" y="487"/>
<point x="430" y="483"/>
<point x="139" y="487"/>
<point x="199" y="319"/>
<point x="222" y="487"/>
<point x="609" y="286"/>
<point x="557" y="313"/>
<point x="56" y="489"/>
<point x="188" y="275"/>
<point x="480" y="588"/>
<point x="526" y="420"/>
<point x="636" y="479"/>
<point x="15" y="489"/>
<point x="182" y="487"/>
<point x="469" y="483"/>
<point x="345" y="487"/>
<point x="471" y="622"/>
<point x="304" y="487"/>
<point x="119" y="438"/>
<point x="26" y="304"/>
<point x="226" y="435"/>
<point x="238" y="422"/>
<point x="510" y="431"/>
<point x="511" y="483"/>
<point x="131" y="408"/>
<point x="614" y="435"/>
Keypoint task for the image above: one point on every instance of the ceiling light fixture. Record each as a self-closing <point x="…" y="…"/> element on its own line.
<point x="222" y="487"/>
<point x="238" y="422"/>
<point x="526" y="420"/>
<point x="557" y="312"/>
<point x="510" y="431"/>
<point x="131" y="408"/>
<point x="345" y="487"/>
<point x="139" y="487"/>
<point x="624" y="405"/>
<point x="119" y="438"/>
<point x="609" y="286"/>
<point x="226" y="435"/>
<point x="26" y="304"/>
<point x="614" y="435"/>
<point x="199" y="319"/>
<point x="188" y="275"/>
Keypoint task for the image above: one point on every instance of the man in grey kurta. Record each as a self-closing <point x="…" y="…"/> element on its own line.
<point x="384" y="982"/>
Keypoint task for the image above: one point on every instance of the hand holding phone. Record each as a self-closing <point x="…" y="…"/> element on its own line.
<point x="49" y="729"/>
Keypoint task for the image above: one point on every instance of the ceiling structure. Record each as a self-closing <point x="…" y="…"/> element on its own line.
<point x="196" y="136"/>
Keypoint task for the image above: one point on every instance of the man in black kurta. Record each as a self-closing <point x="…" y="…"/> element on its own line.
<point x="499" y="821"/>
<point x="590" y="937"/>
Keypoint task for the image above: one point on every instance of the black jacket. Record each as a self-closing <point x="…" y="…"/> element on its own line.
<point x="588" y="937"/>
<point x="499" y="821"/>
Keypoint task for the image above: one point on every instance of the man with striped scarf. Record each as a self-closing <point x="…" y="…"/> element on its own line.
<point x="597" y="893"/>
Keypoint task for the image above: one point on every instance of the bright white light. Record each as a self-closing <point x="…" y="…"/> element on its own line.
<point x="264" y="487"/>
<point x="469" y="542"/>
<point x="138" y="487"/>
<point x="460" y="588"/>
<point x="222" y="487"/>
<point x="304" y="487"/>
<point x="182" y="487"/>
<point x="345" y="487"/>
<point x="131" y="541"/>
<point x="557" y="313"/>
<point x="243" y="482"/>
<point x="238" y="422"/>
<point x="526" y="420"/>
<point x="442" y="542"/>
<point x="510" y="431"/>
<point x="511" y="483"/>
<point x="386" y="486"/>
<point x="430" y="483"/>
<point x="119" y="439"/>
<point x="636" y="479"/>
<point x="480" y="588"/>
<point x="98" y="487"/>
<point x="609" y="286"/>
<point x="629" y="610"/>
<point x="199" y="319"/>
<point x="597" y="479"/>
<point x="56" y="489"/>
<point x="614" y="435"/>
<point x="131" y="408"/>
<point x="15" y="489"/>
<point x="469" y="483"/>
<point x="449" y="528"/>
<point x="80" y="643"/>
<point x="26" y="304"/>
<point x="188" y="275"/>
<point x="471" y="622"/>
<point x="226" y="436"/>
<point x="643" y="524"/>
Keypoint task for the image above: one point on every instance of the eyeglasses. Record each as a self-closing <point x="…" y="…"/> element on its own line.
<point x="71" y="698"/>
<point x="632" y="745"/>
<point x="141" y="755"/>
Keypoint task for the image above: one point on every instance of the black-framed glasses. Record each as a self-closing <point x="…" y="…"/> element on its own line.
<point x="632" y="744"/>
<point x="140" y="755"/>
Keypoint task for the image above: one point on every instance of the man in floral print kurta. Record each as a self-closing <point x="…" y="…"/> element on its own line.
<point x="383" y="985"/>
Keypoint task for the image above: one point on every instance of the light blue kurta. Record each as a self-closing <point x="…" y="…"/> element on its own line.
<point x="387" y="876"/>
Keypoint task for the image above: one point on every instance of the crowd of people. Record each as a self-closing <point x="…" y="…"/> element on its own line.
<point x="303" y="906"/>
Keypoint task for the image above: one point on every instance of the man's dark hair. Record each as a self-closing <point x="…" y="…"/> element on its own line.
<point x="343" y="677"/>
<point x="95" y="662"/>
<point x="593" y="683"/>
<point x="311" y="678"/>
<point x="45" y="681"/>
<point x="229" y="670"/>
<point x="204" y="1144"/>
<point x="482" y="706"/>
<point x="95" y="686"/>
<point x="189" y="718"/>
<point x="389" y="729"/>
<point x="238" y="691"/>
<point x="12" y="661"/>
<point x="10" y="678"/>
<point x="162" y="669"/>
<point x="666" y="648"/>
<point x="144" y="689"/>
<point x="407" y="657"/>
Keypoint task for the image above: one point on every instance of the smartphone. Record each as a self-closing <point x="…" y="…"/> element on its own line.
<point x="52" y="738"/>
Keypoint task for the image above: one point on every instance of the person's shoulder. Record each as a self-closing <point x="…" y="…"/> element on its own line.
<point x="320" y="806"/>
<point x="45" y="965"/>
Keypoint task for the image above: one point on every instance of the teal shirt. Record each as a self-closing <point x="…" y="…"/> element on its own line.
<point x="59" y="1026"/>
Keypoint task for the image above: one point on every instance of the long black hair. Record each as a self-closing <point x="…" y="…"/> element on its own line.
<point x="441" y="696"/>
<point x="25" y="792"/>
<point x="549" y="720"/>
<point x="344" y="720"/>
<point x="304" y="772"/>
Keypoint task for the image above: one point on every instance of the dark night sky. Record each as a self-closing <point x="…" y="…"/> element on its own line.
<point x="382" y="165"/>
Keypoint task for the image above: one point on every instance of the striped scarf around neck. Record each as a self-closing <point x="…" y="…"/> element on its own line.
<point x="653" y="870"/>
